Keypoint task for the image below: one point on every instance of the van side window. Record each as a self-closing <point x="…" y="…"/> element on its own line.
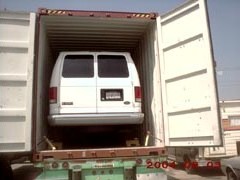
<point x="112" y="66"/>
<point x="78" y="66"/>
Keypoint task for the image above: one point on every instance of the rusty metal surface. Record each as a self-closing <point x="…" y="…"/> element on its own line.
<point x="56" y="12"/>
<point x="99" y="153"/>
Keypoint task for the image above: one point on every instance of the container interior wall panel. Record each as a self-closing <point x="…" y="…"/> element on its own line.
<point x="147" y="82"/>
<point x="149" y="75"/>
<point x="145" y="75"/>
<point x="157" y="89"/>
<point x="151" y="84"/>
<point x="44" y="68"/>
<point x="16" y="80"/>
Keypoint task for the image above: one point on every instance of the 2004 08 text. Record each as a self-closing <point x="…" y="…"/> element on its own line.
<point x="186" y="165"/>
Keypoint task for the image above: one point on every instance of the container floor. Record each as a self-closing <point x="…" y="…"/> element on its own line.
<point x="94" y="136"/>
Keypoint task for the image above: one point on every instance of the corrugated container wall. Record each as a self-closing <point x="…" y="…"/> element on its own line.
<point x="16" y="80"/>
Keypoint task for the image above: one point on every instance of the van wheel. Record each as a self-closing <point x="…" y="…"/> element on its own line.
<point x="5" y="169"/>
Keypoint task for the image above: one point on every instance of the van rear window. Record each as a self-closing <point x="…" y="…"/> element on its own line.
<point x="112" y="66"/>
<point x="78" y="66"/>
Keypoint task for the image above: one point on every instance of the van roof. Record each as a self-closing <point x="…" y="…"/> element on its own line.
<point x="101" y="52"/>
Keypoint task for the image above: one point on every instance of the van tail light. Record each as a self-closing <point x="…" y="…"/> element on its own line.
<point x="52" y="95"/>
<point x="138" y="94"/>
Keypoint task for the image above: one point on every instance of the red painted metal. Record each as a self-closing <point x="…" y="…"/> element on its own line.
<point x="99" y="153"/>
<point x="108" y="14"/>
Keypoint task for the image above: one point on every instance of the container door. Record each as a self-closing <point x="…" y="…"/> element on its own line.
<point x="114" y="85"/>
<point x="78" y="84"/>
<point x="190" y="101"/>
<point x="16" y="80"/>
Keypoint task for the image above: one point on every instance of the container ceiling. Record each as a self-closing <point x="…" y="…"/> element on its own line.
<point x="71" y="33"/>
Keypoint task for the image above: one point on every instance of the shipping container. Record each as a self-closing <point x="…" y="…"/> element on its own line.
<point x="174" y="58"/>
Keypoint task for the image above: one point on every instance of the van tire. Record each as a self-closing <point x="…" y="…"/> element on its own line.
<point x="5" y="169"/>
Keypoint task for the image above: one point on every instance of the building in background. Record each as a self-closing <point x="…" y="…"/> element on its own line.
<point x="230" y="111"/>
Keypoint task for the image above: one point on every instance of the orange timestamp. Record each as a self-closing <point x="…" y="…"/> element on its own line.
<point x="186" y="164"/>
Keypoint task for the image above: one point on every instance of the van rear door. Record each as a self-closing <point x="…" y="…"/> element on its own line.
<point x="114" y="85"/>
<point x="190" y="102"/>
<point x="78" y="84"/>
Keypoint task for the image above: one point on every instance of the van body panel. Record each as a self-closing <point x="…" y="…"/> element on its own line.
<point x="118" y="85"/>
<point x="77" y="94"/>
<point x="93" y="119"/>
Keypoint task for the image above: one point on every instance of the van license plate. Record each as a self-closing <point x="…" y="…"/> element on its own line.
<point x="112" y="95"/>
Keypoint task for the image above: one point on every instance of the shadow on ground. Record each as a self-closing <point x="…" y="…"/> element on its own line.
<point x="20" y="173"/>
<point x="179" y="173"/>
<point x="206" y="172"/>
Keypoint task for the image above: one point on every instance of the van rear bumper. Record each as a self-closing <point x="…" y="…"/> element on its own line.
<point x="95" y="119"/>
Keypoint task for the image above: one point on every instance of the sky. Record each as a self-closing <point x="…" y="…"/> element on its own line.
<point x="224" y="22"/>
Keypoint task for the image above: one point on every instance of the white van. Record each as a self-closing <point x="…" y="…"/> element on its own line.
<point x="95" y="88"/>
